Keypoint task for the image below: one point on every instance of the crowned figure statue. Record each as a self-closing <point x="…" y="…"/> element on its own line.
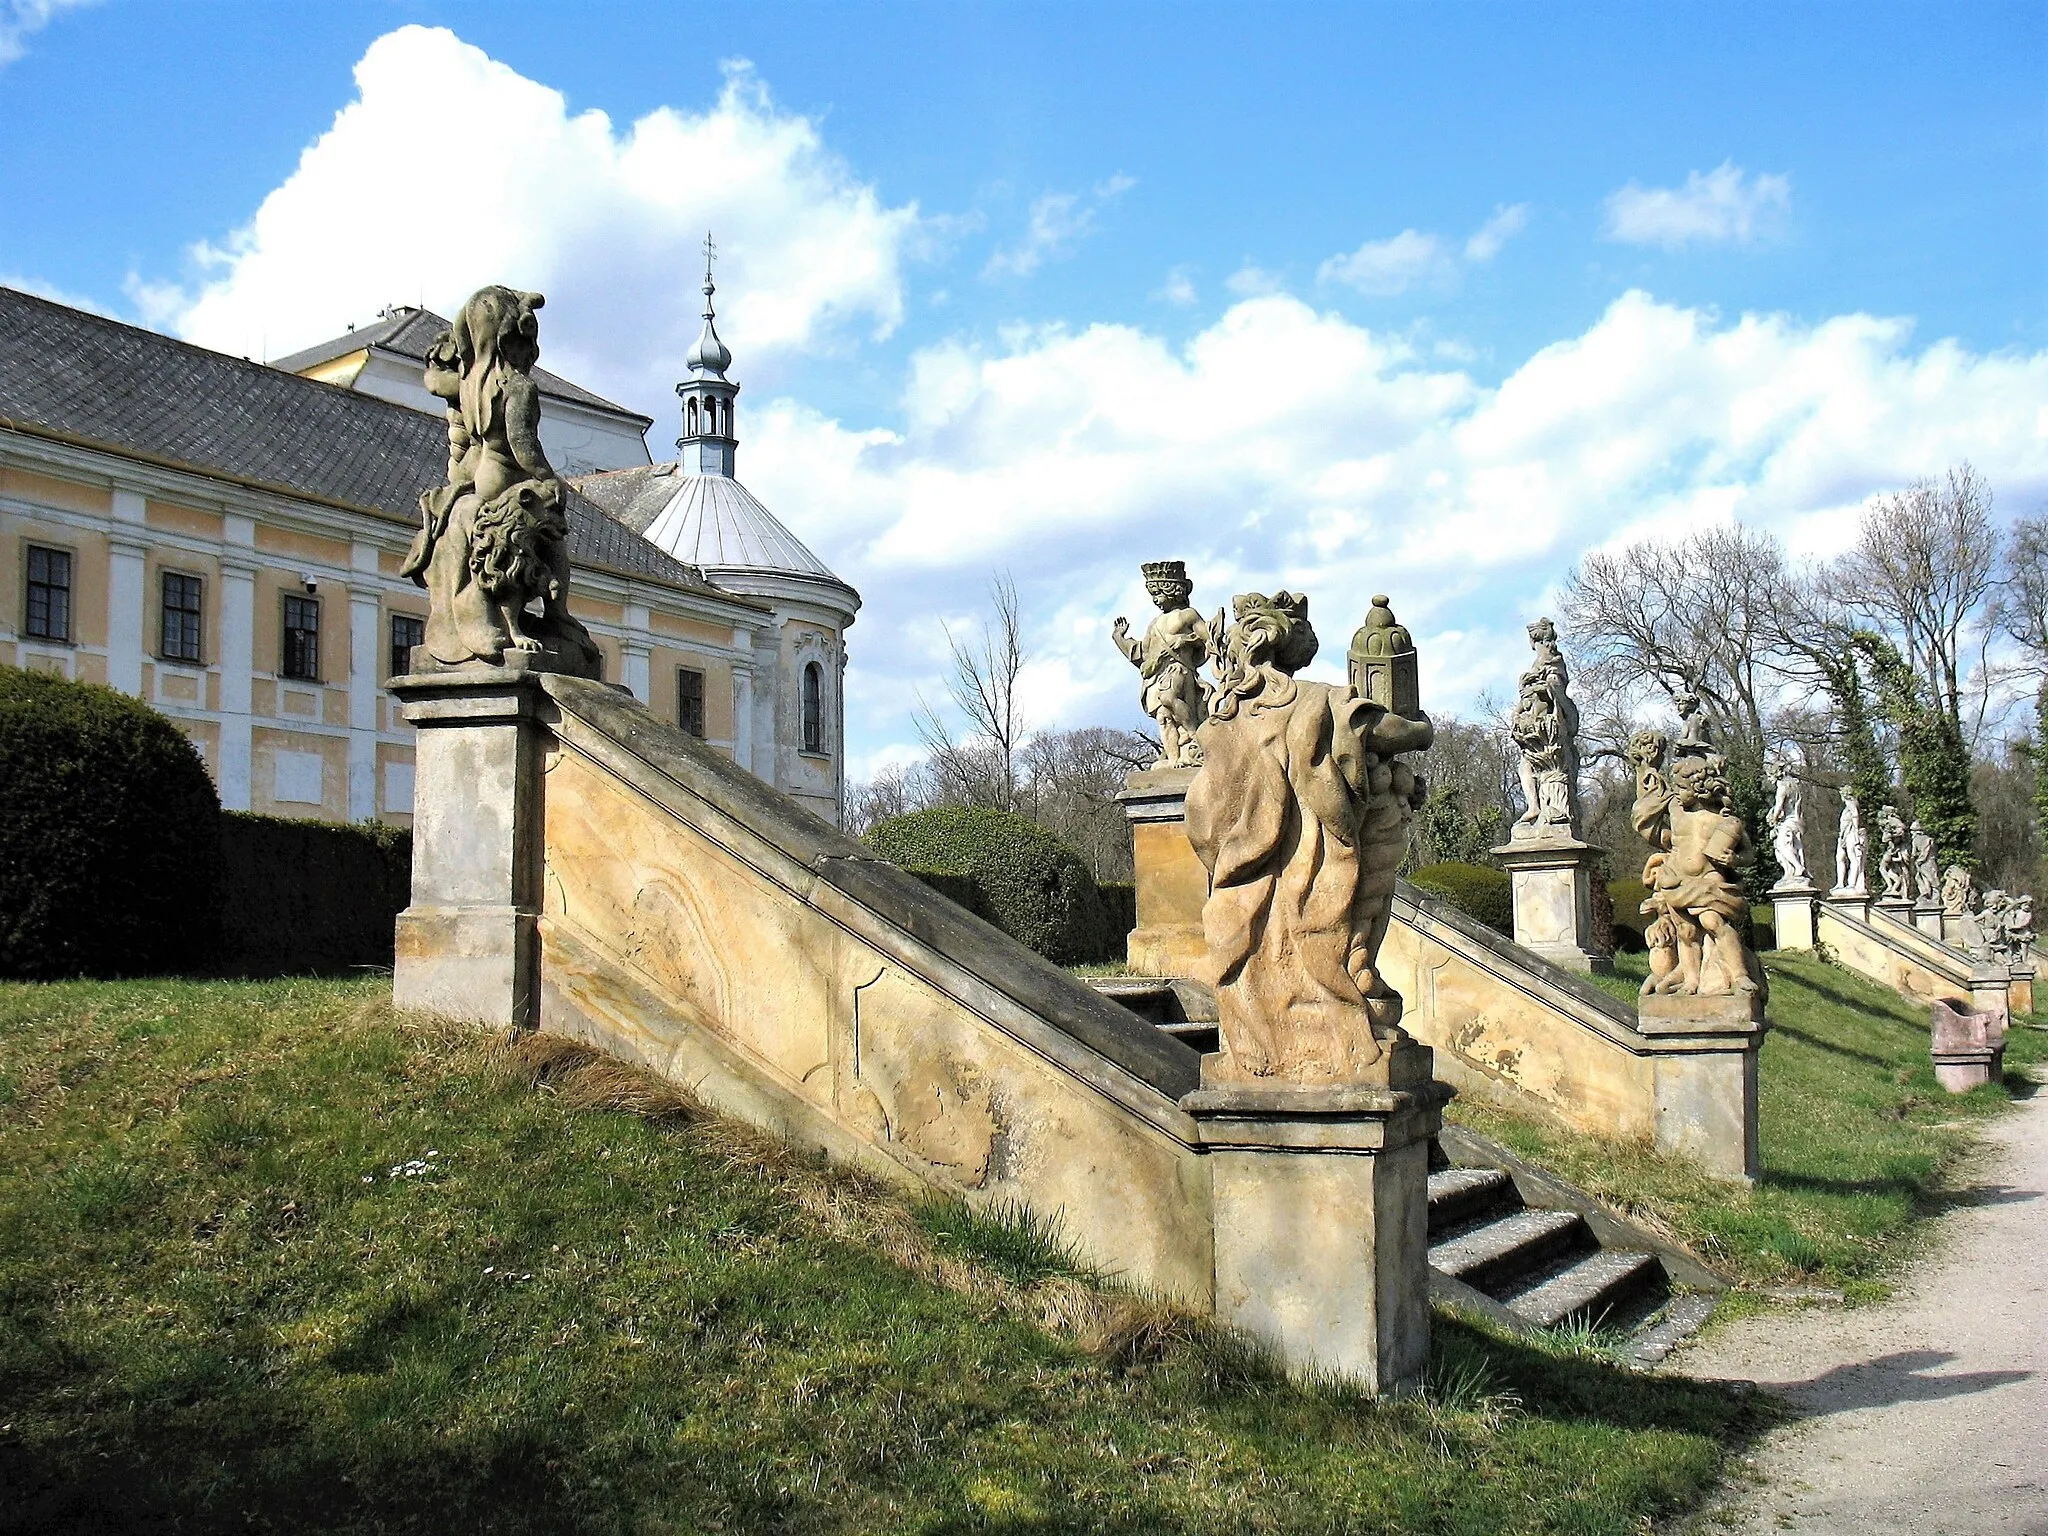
<point x="1169" y="660"/>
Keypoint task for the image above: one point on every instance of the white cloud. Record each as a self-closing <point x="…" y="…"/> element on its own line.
<point x="1283" y="446"/>
<point x="1178" y="289"/>
<point x="450" y="170"/>
<point x="1251" y="281"/>
<point x="1508" y="220"/>
<point x="1059" y="222"/>
<point x="1390" y="266"/>
<point x="53" y="293"/>
<point x="1721" y="207"/>
<point x="1382" y="268"/>
<point x="22" y="19"/>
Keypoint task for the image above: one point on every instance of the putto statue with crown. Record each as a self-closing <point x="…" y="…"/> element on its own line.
<point x="1169" y="660"/>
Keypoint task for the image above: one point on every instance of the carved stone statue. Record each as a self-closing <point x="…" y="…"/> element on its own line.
<point x="1994" y="926"/>
<point x="1698" y="934"/>
<point x="1788" y="827"/>
<point x="1850" y="850"/>
<point x="1926" y="864"/>
<point x="1892" y="863"/>
<point x="493" y="541"/>
<point x="1169" y="659"/>
<point x="1958" y="892"/>
<point x="2019" y="929"/>
<point x="1545" y="727"/>
<point x="1692" y="727"/>
<point x="1300" y="813"/>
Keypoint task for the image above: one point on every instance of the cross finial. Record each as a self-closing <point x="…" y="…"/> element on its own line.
<point x="710" y="251"/>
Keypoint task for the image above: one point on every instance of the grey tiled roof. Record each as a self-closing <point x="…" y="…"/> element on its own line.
<point x="712" y="521"/>
<point x="82" y="377"/>
<point x="410" y="332"/>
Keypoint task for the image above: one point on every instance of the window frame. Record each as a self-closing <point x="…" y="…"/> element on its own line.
<point x="400" y="667"/>
<point x="285" y="631"/>
<point x="29" y="550"/>
<point x="164" y="610"/>
<point x="811" y="710"/>
<point x="702" y="727"/>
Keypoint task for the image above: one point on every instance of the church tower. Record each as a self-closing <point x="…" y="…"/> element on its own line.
<point x="707" y="446"/>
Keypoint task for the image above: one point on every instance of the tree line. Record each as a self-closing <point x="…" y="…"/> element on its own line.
<point x="1912" y="666"/>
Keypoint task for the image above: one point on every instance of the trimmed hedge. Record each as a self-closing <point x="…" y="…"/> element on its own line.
<point x="1473" y="889"/>
<point x="310" y="896"/>
<point x="1029" y="883"/>
<point x="109" y="835"/>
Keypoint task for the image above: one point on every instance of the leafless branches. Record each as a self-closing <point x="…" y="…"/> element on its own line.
<point x="982" y="768"/>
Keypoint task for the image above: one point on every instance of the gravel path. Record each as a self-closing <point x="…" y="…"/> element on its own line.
<point x="1928" y="1414"/>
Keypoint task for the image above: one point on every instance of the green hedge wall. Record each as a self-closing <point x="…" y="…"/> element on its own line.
<point x="1030" y="884"/>
<point x="310" y="896"/>
<point x="1120" y="911"/>
<point x="1473" y="889"/>
<point x="109" y="835"/>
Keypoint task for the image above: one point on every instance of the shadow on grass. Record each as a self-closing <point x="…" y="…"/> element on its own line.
<point x="1871" y="1058"/>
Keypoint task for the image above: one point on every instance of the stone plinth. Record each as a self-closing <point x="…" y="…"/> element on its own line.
<point x="1991" y="988"/>
<point x="2020" y="994"/>
<point x="1171" y="882"/>
<point x="1852" y="903"/>
<point x="1552" y="879"/>
<point x="1927" y="918"/>
<point x="1320" y="1196"/>
<point x="1968" y="1046"/>
<point x="467" y="944"/>
<point x="1706" y="1078"/>
<point x="1792" y="908"/>
<point x="1900" y="907"/>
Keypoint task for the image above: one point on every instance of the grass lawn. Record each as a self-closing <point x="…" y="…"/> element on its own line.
<point x="1860" y="1144"/>
<point x="273" y="1257"/>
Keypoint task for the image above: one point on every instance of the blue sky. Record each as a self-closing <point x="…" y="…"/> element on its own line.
<point x="1429" y="298"/>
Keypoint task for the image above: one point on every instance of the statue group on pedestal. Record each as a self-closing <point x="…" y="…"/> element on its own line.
<point x="1299" y="811"/>
<point x="1998" y="925"/>
<point x="1893" y="864"/>
<point x="493" y="541"/>
<point x="1698" y="935"/>
<point x="1545" y="729"/>
<point x="1850" y="851"/>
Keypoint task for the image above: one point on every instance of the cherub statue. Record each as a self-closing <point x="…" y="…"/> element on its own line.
<point x="494" y="540"/>
<point x="1958" y="891"/>
<point x="1545" y="727"/>
<point x="1169" y="659"/>
<point x="1788" y="827"/>
<point x="1850" y="850"/>
<point x="1300" y="814"/>
<point x="1698" y="932"/>
<point x="2019" y="929"/>
<point x="1926" y="864"/>
<point x="1693" y="740"/>
<point x="1994" y="926"/>
<point x="1891" y="857"/>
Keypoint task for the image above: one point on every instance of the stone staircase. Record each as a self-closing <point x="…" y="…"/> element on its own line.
<point x="1508" y="1240"/>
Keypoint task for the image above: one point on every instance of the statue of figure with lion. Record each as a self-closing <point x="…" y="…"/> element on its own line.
<point x="493" y="541"/>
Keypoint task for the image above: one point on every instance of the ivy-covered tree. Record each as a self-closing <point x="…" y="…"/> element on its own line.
<point x="1934" y="760"/>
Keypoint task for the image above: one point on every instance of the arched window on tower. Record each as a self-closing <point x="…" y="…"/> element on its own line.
<point x="690" y="410"/>
<point x="725" y="418"/>
<point x="814" y="707"/>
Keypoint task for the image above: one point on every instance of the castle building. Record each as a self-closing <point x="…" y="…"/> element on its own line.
<point x="222" y="539"/>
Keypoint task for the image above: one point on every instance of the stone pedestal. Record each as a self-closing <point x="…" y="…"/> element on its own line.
<point x="1968" y="1046"/>
<point x="1706" y="1078"/>
<point x="1991" y="987"/>
<point x="1552" y="879"/>
<point x="1172" y="885"/>
<point x="1793" y="908"/>
<point x="1900" y="907"/>
<point x="1851" y="904"/>
<point x="1959" y="930"/>
<point x="2020" y="992"/>
<point x="468" y="946"/>
<point x="1320" y="1196"/>
<point x="1927" y="918"/>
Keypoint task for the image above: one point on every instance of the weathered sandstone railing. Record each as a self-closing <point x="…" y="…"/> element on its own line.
<point x="583" y="868"/>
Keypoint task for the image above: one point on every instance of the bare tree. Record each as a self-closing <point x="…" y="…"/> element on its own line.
<point x="2023" y="589"/>
<point x="1069" y="785"/>
<point x="983" y="686"/>
<point x="1691" y="615"/>
<point x="1921" y="572"/>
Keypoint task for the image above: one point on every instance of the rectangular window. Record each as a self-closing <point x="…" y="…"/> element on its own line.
<point x="301" y="657"/>
<point x="406" y="632"/>
<point x="49" y="594"/>
<point x="690" y="701"/>
<point x="181" y="618"/>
